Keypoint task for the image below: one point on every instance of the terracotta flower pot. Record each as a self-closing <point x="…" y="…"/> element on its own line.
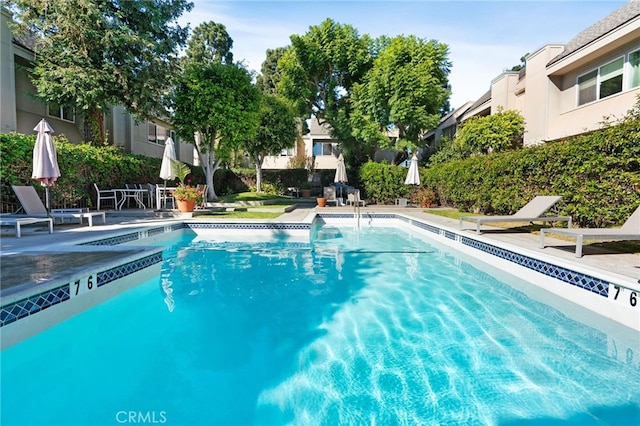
<point x="321" y="201"/>
<point x="306" y="193"/>
<point x="186" y="205"/>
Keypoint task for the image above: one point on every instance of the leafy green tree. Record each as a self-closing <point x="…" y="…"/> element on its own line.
<point x="493" y="133"/>
<point x="216" y="109"/>
<point x="317" y="73"/>
<point x="321" y="66"/>
<point x="269" y="78"/>
<point x="406" y="89"/>
<point x="277" y="131"/>
<point x="94" y="53"/>
<point x="209" y="43"/>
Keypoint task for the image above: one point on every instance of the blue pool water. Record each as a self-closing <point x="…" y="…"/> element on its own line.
<point x="371" y="326"/>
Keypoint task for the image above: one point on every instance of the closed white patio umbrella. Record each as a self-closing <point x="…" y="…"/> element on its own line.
<point x="413" y="176"/>
<point x="341" y="171"/>
<point x="169" y="155"/>
<point x="45" y="159"/>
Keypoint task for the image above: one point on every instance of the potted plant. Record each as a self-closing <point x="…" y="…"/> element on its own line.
<point x="185" y="195"/>
<point x="305" y="189"/>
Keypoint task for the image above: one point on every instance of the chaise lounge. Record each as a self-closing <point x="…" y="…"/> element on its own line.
<point x="17" y="222"/>
<point x="533" y="211"/>
<point x="630" y="230"/>
<point x="32" y="205"/>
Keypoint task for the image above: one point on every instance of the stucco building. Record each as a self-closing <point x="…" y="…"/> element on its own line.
<point x="567" y="89"/>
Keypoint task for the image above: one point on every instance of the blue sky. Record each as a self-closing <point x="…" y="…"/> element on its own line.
<point x="484" y="37"/>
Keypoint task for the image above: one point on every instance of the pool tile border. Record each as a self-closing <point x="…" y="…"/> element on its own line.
<point x="567" y="275"/>
<point x="30" y="305"/>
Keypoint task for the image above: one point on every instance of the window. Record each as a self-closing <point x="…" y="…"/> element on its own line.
<point x="634" y="66"/>
<point x="288" y="152"/>
<point x="61" y="112"/>
<point x="159" y="134"/>
<point x="601" y="82"/>
<point x="587" y="87"/>
<point x="611" y="78"/>
<point x="324" y="148"/>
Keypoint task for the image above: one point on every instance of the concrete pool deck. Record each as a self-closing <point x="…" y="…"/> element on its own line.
<point x="38" y="254"/>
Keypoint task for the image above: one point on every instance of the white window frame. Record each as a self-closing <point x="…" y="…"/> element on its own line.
<point x="630" y="73"/>
<point x="334" y="148"/>
<point x="62" y="112"/>
<point x="626" y="72"/>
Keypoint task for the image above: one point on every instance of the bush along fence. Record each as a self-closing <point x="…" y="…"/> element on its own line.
<point x="597" y="174"/>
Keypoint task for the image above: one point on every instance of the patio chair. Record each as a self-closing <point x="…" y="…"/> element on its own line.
<point x="329" y="192"/>
<point x="630" y="230"/>
<point x="353" y="197"/>
<point x="106" y="194"/>
<point x="402" y="202"/>
<point x="32" y="205"/>
<point x="533" y="211"/>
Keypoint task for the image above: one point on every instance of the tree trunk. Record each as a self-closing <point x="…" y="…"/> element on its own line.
<point x="209" y="165"/>
<point x="258" y="163"/>
<point x="94" y="127"/>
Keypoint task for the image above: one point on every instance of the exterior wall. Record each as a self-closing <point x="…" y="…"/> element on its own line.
<point x="568" y="118"/>
<point x="539" y="97"/>
<point x="8" y="119"/>
<point x="503" y="91"/>
<point x="317" y="133"/>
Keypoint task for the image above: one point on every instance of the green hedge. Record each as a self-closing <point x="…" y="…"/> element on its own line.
<point x="597" y="174"/>
<point x="80" y="166"/>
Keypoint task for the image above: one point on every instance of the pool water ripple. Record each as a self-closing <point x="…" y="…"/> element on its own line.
<point x="324" y="334"/>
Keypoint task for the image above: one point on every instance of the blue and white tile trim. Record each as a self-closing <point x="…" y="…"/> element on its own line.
<point x="38" y="302"/>
<point x="33" y="304"/>
<point x="129" y="268"/>
<point x="595" y="285"/>
<point x="569" y="276"/>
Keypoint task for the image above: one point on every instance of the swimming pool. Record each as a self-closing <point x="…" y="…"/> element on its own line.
<point x="375" y="326"/>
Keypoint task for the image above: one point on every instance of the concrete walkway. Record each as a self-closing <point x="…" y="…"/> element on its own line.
<point x="36" y="241"/>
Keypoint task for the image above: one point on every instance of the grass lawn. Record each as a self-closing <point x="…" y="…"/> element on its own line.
<point x="239" y="214"/>
<point x="251" y="196"/>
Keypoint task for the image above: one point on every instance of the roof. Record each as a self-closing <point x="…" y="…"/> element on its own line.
<point x="619" y="17"/>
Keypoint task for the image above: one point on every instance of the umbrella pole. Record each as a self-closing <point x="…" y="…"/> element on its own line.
<point x="46" y="197"/>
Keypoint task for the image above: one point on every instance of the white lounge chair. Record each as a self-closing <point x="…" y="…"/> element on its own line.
<point x="17" y="222"/>
<point x="533" y="211"/>
<point x="353" y="198"/>
<point x="32" y="205"/>
<point x="630" y="230"/>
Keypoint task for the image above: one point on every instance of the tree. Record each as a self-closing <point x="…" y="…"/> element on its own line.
<point x="269" y="78"/>
<point x="209" y="43"/>
<point x="277" y="130"/>
<point x="91" y="54"/>
<point x="318" y="71"/>
<point x="215" y="108"/>
<point x="493" y="133"/>
<point x="406" y="89"/>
